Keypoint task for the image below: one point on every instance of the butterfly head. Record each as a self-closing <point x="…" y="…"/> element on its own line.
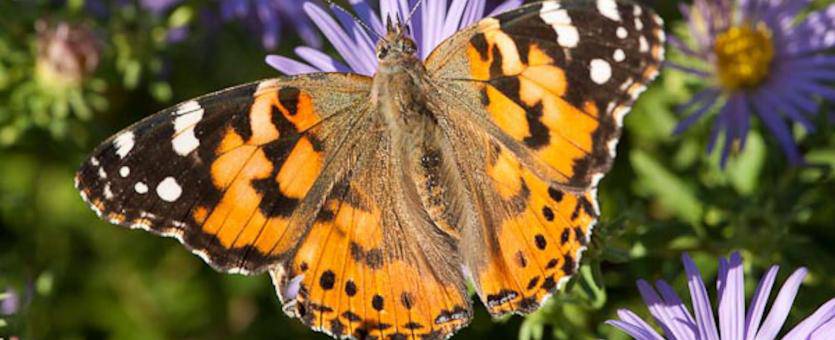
<point x="397" y="44"/>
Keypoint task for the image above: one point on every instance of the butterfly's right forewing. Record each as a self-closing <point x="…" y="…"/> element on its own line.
<point x="534" y="101"/>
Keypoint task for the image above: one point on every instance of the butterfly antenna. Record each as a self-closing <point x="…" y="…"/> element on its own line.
<point x="414" y="10"/>
<point x="356" y="19"/>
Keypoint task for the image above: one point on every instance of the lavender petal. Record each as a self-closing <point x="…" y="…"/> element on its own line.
<point x="453" y="18"/>
<point x="433" y="14"/>
<point x="705" y="99"/>
<point x="715" y="130"/>
<point x="686" y="69"/>
<point x="822" y="315"/>
<point x="758" y="303"/>
<point x="289" y="66"/>
<point x="700" y="299"/>
<point x="367" y="15"/>
<point x="778" y="128"/>
<point x="731" y="298"/>
<point x="473" y="12"/>
<point x="659" y="309"/>
<point x="339" y="39"/>
<point x="633" y="323"/>
<point x="320" y="60"/>
<point x="505" y="6"/>
<point x="824" y="331"/>
<point x="417" y="28"/>
<point x="365" y="46"/>
<point x="816" y="33"/>
<point x="784" y="106"/>
<point x="678" y="310"/>
<point x="781" y="306"/>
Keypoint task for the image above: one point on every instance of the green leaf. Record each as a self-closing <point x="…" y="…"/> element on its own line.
<point x="593" y="289"/>
<point x="161" y="91"/>
<point x="133" y="70"/>
<point x="671" y="193"/>
<point x="824" y="156"/>
<point x="531" y="330"/>
<point x="79" y="106"/>
<point x="744" y="169"/>
<point x="180" y="17"/>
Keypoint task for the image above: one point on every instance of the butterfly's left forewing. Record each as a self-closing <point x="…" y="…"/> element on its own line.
<point x="225" y="172"/>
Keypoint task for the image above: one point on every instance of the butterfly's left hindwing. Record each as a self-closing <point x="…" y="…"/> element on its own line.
<point x="224" y="172"/>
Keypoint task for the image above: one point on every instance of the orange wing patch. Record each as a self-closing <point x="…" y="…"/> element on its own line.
<point x="541" y="232"/>
<point x="263" y="171"/>
<point x="524" y="98"/>
<point x="556" y="89"/>
<point x="345" y="280"/>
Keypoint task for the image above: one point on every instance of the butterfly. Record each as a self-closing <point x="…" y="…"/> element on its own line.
<point x="372" y="201"/>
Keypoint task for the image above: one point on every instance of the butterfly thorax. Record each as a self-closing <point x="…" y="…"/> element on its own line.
<point x="398" y="89"/>
<point x="401" y="90"/>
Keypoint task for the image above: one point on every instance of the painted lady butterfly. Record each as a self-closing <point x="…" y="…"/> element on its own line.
<point x="372" y="200"/>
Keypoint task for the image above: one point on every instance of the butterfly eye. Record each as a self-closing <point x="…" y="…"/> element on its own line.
<point x="409" y="46"/>
<point x="382" y="52"/>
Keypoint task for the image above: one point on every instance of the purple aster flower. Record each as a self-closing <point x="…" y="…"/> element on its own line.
<point x="268" y="17"/>
<point x="760" y="60"/>
<point x="9" y="302"/>
<point x="735" y="322"/>
<point x="158" y="6"/>
<point x="433" y="22"/>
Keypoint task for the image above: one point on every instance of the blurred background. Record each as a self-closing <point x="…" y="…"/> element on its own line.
<point x="74" y="72"/>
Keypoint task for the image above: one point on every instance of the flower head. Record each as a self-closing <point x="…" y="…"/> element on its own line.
<point x="9" y="302"/>
<point x="735" y="322"/>
<point x="66" y="53"/>
<point x="431" y="23"/>
<point x="762" y="60"/>
<point x="268" y="17"/>
<point x="158" y="6"/>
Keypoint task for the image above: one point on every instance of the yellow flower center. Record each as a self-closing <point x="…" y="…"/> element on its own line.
<point x="743" y="56"/>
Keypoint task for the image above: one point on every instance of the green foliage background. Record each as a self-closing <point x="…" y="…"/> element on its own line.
<point x="81" y="278"/>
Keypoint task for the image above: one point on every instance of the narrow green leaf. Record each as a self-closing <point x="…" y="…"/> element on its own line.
<point x="671" y="193"/>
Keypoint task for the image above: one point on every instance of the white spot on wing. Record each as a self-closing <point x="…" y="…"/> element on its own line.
<point x="644" y="45"/>
<point x="124" y="143"/>
<point x="568" y="36"/>
<point x="600" y="70"/>
<point x="94" y="161"/>
<point x="619" y="113"/>
<point x="622" y="33"/>
<point x="613" y="146"/>
<point x="188" y="115"/>
<point x="552" y="14"/>
<point x="124" y="171"/>
<point x="168" y="190"/>
<point x="102" y="174"/>
<point x="619" y="55"/>
<point x="609" y="9"/>
<point x="639" y="25"/>
<point x="185" y="143"/>
<point x="108" y="194"/>
<point x="187" y="107"/>
<point x="140" y="188"/>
